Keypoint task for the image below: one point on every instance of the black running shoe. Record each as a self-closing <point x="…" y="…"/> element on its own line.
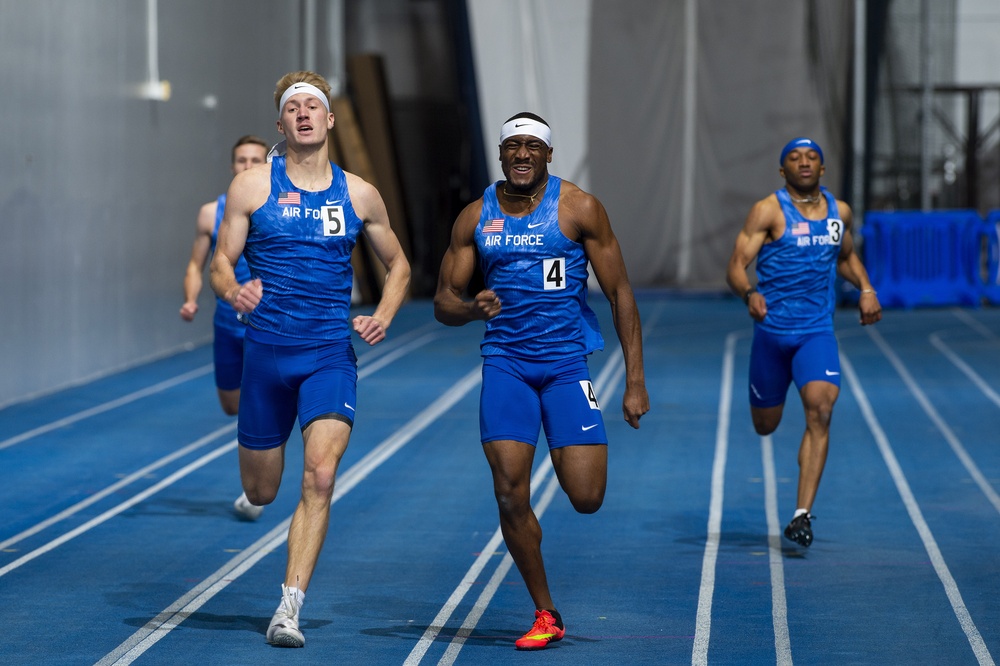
<point x="800" y="530"/>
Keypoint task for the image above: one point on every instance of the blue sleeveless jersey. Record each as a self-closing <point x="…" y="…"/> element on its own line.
<point x="540" y="277"/>
<point x="796" y="273"/>
<point x="225" y="315"/>
<point x="299" y="245"/>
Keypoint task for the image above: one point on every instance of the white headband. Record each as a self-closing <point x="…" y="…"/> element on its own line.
<point x="526" y="126"/>
<point x="303" y="87"/>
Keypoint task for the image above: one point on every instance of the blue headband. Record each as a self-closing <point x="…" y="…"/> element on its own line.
<point x="801" y="142"/>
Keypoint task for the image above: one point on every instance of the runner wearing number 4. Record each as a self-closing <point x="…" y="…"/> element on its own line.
<point x="801" y="238"/>
<point x="533" y="234"/>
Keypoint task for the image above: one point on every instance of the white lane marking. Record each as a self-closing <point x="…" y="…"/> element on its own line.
<point x="171" y="617"/>
<point x="779" y="607"/>
<point x="400" y="347"/>
<point x="703" y="619"/>
<point x="932" y="413"/>
<point x="973" y="376"/>
<point x="127" y="504"/>
<point x="930" y="544"/>
<point x="609" y="377"/>
<point x="114" y="487"/>
<point x="107" y="406"/>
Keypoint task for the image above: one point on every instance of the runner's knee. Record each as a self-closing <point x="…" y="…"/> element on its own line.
<point x="259" y="495"/>
<point x="765" y="424"/>
<point x="511" y="498"/>
<point x="588" y="503"/>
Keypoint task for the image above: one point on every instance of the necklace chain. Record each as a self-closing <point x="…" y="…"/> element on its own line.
<point x="529" y="197"/>
<point x="806" y="200"/>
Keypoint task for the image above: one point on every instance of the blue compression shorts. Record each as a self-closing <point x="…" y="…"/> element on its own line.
<point x="227" y="353"/>
<point x="778" y="360"/>
<point x="519" y="396"/>
<point x="309" y="380"/>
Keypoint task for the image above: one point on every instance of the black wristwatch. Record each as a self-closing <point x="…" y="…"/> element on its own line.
<point x="746" y="296"/>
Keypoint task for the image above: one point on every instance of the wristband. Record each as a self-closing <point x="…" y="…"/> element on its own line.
<point x="868" y="291"/>
<point x="746" y="296"/>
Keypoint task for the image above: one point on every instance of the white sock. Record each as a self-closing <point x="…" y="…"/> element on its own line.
<point x="799" y="512"/>
<point x="298" y="596"/>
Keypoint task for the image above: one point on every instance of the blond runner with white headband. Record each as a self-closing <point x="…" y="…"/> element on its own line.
<point x="295" y="89"/>
<point x="303" y="87"/>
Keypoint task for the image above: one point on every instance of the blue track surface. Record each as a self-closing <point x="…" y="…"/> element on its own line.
<point x="118" y="542"/>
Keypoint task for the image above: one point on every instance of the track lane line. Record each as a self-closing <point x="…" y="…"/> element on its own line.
<point x="779" y="605"/>
<point x="957" y="361"/>
<point x="114" y="487"/>
<point x="396" y="351"/>
<point x="977" y="326"/>
<point x="171" y="617"/>
<point x="107" y="406"/>
<point x="391" y="349"/>
<point x="472" y="619"/>
<point x="703" y="619"/>
<point x="608" y="378"/>
<point x="916" y="516"/>
<point x="935" y="417"/>
<point x="111" y="513"/>
<point x="468" y="580"/>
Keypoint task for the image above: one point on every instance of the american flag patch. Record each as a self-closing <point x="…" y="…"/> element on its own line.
<point x="286" y="198"/>
<point x="801" y="229"/>
<point x="493" y="226"/>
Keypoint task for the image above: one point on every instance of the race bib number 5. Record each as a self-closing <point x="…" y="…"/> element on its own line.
<point x="333" y="220"/>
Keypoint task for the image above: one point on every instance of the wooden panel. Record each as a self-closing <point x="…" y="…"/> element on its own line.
<point x="370" y="94"/>
<point x="351" y="146"/>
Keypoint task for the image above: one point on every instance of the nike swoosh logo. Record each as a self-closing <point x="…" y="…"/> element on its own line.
<point x="521" y="125"/>
<point x="330" y="203"/>
<point x="831" y="374"/>
<point x="586" y="428"/>
<point x="348" y="406"/>
<point x="536" y="224"/>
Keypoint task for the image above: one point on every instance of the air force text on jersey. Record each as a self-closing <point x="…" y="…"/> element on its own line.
<point x="833" y="235"/>
<point x="536" y="240"/>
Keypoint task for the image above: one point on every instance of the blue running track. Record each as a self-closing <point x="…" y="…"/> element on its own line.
<point x="118" y="542"/>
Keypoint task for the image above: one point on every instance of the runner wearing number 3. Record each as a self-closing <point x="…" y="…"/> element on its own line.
<point x="800" y="237"/>
<point x="533" y="235"/>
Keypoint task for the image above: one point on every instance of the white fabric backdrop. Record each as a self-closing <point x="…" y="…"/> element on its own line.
<point x="533" y="56"/>
<point x="672" y="113"/>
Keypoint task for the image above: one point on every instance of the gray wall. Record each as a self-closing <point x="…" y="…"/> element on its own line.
<point x="682" y="159"/>
<point x="100" y="188"/>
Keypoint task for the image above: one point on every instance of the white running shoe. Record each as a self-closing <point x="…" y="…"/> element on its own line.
<point x="284" y="628"/>
<point x="246" y="509"/>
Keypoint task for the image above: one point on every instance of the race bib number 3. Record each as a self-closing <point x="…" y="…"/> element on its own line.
<point x="333" y="220"/>
<point x="554" y="273"/>
<point x="835" y="228"/>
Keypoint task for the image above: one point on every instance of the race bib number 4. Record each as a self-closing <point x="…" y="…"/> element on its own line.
<point x="554" y="273"/>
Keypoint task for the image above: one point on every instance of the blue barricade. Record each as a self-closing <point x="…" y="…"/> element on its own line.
<point x="989" y="241"/>
<point x="915" y="258"/>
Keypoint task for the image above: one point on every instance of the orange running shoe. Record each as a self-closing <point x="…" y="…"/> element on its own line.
<point x="543" y="632"/>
